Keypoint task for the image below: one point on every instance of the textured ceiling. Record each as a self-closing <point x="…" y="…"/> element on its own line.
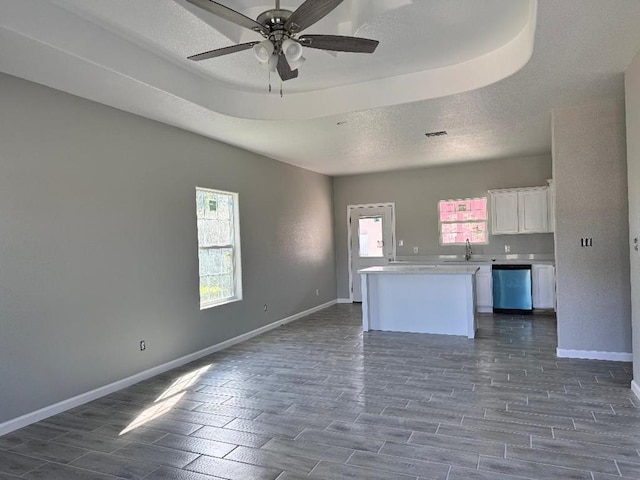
<point x="410" y="41"/>
<point x="130" y="54"/>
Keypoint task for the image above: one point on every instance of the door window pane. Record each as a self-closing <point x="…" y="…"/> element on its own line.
<point x="370" y="236"/>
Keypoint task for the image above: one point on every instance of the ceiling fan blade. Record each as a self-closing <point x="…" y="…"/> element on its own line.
<point x="284" y="70"/>
<point x="309" y="13"/>
<point x="230" y="15"/>
<point x="218" y="52"/>
<point x="338" y="43"/>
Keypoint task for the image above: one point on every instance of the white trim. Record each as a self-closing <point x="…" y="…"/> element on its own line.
<point x="392" y="205"/>
<point x="345" y="300"/>
<point x="41" y="414"/>
<point x="635" y="388"/>
<point x="595" y="355"/>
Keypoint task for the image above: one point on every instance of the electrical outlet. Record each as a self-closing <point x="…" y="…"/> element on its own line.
<point x="586" y="242"/>
<point x="317" y="292"/>
<point x="143" y="345"/>
<point x="401" y="243"/>
<point x="415" y="249"/>
<point x="507" y="248"/>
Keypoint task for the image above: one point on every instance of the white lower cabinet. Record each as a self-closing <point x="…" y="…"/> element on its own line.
<point x="543" y="280"/>
<point x="484" y="289"/>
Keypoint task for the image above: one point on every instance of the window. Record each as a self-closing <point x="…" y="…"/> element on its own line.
<point x="463" y="219"/>
<point x="218" y="247"/>
<point x="370" y="236"/>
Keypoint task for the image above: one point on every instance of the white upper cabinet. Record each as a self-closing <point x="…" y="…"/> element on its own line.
<point x="504" y="212"/>
<point x="519" y="210"/>
<point x="533" y="216"/>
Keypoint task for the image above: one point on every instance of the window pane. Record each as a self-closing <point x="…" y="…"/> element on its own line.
<point x="214" y="232"/>
<point x="215" y="261"/>
<point x="447" y="211"/>
<point x="462" y="210"/>
<point x="226" y="286"/>
<point x="370" y="236"/>
<point x="479" y="208"/>
<point x="448" y="238"/>
<point x="205" y="296"/>
<point x="200" y="204"/>
<point x="449" y="228"/>
<point x="458" y="233"/>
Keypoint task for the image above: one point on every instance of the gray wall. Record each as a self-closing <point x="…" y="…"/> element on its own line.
<point x="98" y="246"/>
<point x="632" y="82"/>
<point x="416" y="194"/>
<point x="590" y="174"/>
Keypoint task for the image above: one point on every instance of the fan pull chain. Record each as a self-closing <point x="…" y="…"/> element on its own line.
<point x="280" y="89"/>
<point x="269" y="81"/>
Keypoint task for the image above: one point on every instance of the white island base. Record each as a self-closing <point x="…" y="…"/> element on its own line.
<point x="420" y="298"/>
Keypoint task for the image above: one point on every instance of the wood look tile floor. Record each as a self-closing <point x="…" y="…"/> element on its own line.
<point x="317" y="399"/>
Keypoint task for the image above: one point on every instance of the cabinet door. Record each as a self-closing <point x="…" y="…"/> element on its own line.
<point x="504" y="213"/>
<point x="533" y="216"/>
<point x="543" y="286"/>
<point x="484" y="290"/>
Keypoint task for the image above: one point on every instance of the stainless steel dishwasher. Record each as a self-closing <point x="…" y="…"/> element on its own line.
<point x="512" y="289"/>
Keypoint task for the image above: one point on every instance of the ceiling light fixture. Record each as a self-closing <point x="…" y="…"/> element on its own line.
<point x="282" y="28"/>
<point x="264" y="50"/>
<point x="293" y="52"/>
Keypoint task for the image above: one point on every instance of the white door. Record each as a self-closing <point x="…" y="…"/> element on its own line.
<point x="371" y="229"/>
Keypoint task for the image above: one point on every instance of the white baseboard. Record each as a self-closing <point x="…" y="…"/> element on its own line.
<point x="344" y="300"/>
<point x="41" y="414"/>
<point x="595" y="355"/>
<point x="485" y="309"/>
<point x="635" y="388"/>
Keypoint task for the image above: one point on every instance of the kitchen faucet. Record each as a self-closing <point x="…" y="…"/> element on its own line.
<point x="467" y="251"/>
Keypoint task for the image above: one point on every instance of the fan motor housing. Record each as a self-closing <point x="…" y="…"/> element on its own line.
<point x="274" y="19"/>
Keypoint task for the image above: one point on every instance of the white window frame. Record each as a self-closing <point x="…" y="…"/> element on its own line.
<point x="234" y="245"/>
<point x="440" y="222"/>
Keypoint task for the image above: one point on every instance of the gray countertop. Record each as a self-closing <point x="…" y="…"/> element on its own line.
<point x="527" y="259"/>
<point x="439" y="269"/>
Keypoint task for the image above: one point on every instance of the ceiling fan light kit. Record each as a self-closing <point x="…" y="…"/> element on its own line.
<point x="292" y="50"/>
<point x="282" y="49"/>
<point x="263" y="50"/>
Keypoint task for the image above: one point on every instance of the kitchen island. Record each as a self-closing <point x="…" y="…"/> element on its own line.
<point x="437" y="299"/>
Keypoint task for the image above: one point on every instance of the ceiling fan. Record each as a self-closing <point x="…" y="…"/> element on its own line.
<point x="282" y="47"/>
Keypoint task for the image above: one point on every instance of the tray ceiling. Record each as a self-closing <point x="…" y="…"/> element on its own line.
<point x="487" y="71"/>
